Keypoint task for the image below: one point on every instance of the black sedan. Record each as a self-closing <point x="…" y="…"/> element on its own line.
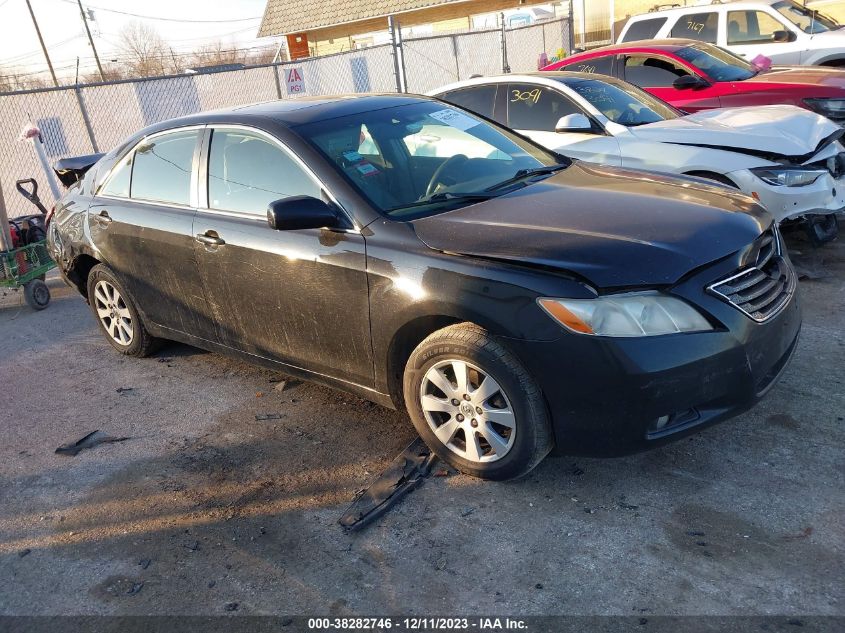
<point x="419" y="256"/>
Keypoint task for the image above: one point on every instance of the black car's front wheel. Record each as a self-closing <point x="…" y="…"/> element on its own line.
<point x="475" y="405"/>
<point x="117" y="314"/>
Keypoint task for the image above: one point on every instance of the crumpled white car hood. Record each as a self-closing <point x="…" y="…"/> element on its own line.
<point x="784" y="130"/>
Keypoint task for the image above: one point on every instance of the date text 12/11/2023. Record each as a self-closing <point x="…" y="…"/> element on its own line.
<point x="417" y="624"/>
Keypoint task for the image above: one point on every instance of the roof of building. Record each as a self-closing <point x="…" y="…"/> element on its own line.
<point x="282" y="17"/>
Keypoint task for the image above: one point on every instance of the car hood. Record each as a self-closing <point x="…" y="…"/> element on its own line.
<point x="779" y="129"/>
<point x="811" y="76"/>
<point x="613" y="227"/>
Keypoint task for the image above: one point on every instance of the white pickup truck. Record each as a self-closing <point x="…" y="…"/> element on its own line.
<point x="785" y="31"/>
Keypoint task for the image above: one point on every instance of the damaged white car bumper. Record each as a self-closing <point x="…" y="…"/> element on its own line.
<point x="824" y="196"/>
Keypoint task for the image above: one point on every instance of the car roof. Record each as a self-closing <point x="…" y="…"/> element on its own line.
<point x="667" y="46"/>
<point x="545" y="77"/>
<point x="700" y="8"/>
<point x="290" y="112"/>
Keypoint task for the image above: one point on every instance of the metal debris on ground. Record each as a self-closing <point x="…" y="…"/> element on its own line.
<point x="405" y="473"/>
<point x="95" y="438"/>
<point x="261" y="417"/>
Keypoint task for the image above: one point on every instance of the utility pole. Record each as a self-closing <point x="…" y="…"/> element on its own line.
<point x="43" y="47"/>
<point x="90" y="39"/>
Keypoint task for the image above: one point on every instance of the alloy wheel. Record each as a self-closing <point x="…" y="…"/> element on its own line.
<point x="113" y="313"/>
<point x="468" y="411"/>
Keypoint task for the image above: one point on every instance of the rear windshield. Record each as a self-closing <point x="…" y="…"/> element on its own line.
<point x="643" y="29"/>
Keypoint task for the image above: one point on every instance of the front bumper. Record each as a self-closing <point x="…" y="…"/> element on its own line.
<point x="825" y="196"/>
<point x="607" y="397"/>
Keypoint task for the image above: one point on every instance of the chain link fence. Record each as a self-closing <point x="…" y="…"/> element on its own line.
<point x="85" y="119"/>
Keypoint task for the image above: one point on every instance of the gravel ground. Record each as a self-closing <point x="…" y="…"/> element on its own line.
<point x="207" y="511"/>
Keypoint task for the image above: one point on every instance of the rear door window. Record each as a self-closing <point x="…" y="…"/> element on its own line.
<point x="532" y="107"/>
<point x="703" y="27"/>
<point x="163" y="168"/>
<point x="595" y="65"/>
<point x="652" y="72"/>
<point x="644" y="29"/>
<point x="117" y="185"/>
<point x="479" y="99"/>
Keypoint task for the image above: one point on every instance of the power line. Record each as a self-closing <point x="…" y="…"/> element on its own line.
<point x="152" y="17"/>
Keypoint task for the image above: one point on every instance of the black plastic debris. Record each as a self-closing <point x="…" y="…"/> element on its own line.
<point x="135" y="588"/>
<point x="405" y="473"/>
<point x="24" y="552"/>
<point x="95" y="438"/>
<point x="144" y="563"/>
<point x="124" y="389"/>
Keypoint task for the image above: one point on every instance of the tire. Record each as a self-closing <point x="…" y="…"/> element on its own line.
<point x="37" y="294"/>
<point x="117" y="314"/>
<point x="822" y="229"/>
<point x="501" y="451"/>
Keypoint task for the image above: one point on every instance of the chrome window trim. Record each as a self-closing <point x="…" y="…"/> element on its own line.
<point x="287" y="151"/>
<point x="192" y="201"/>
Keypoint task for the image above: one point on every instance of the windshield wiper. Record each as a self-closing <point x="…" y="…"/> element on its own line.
<point x="522" y="174"/>
<point x="446" y="196"/>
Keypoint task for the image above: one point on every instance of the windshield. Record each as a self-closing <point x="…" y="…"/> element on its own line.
<point x="807" y="20"/>
<point x="621" y="102"/>
<point x="424" y="158"/>
<point x="718" y="64"/>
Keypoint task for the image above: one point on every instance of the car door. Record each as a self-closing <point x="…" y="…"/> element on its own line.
<point x="297" y="296"/>
<point x="751" y="33"/>
<point x="535" y="110"/>
<point x="657" y="74"/>
<point x="141" y="221"/>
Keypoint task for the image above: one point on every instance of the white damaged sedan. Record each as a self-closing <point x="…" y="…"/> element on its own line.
<point x="789" y="159"/>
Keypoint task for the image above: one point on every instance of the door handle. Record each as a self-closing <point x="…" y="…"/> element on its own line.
<point x="103" y="218"/>
<point x="210" y="238"/>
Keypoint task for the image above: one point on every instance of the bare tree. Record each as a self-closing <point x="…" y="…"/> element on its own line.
<point x="144" y="51"/>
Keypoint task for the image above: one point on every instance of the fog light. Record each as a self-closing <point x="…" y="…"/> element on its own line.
<point x="661" y="422"/>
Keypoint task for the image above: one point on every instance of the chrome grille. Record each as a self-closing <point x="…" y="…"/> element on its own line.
<point x="762" y="289"/>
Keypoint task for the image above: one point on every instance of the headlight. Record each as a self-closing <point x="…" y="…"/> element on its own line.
<point x="628" y="315"/>
<point x="831" y="108"/>
<point x="789" y="176"/>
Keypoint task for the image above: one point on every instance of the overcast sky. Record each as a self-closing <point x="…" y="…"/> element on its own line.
<point x="184" y="24"/>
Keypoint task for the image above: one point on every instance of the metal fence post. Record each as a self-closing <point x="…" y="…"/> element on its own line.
<point x="505" y="66"/>
<point x="398" y="62"/>
<point x="278" y="83"/>
<point x="5" y="232"/>
<point x="84" y="111"/>
<point x="457" y="60"/>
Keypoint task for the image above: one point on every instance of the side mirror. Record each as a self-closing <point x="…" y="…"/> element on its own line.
<point x="574" y="123"/>
<point x="689" y="82"/>
<point x="782" y="37"/>
<point x="300" y="212"/>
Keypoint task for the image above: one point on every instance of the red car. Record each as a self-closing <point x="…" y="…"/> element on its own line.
<point x="697" y="76"/>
